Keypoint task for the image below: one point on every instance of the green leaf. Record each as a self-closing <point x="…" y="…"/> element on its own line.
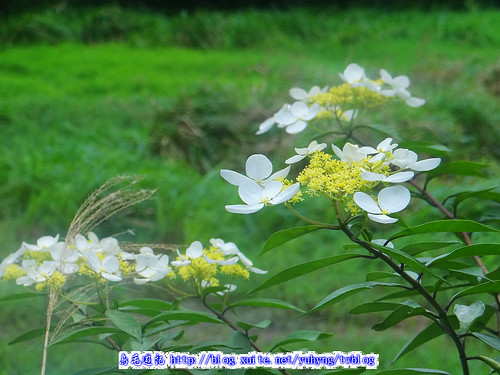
<point x="486" y="194"/>
<point x="412" y="371"/>
<point x="492" y="287"/>
<point x="377" y="275"/>
<point x="188" y="315"/>
<point x="84" y="332"/>
<point x="408" y="260"/>
<point x="480" y="249"/>
<point x="300" y="336"/>
<point x="266" y="302"/>
<point x="148" y="303"/>
<point x="99" y="371"/>
<point x="417" y="248"/>
<point x="374" y="307"/>
<point x="490" y="362"/>
<point x="425" y="147"/>
<point x="246" y="326"/>
<point x="21" y="296"/>
<point x="467" y="314"/>
<point x="427" y="334"/>
<point x="403" y="312"/>
<point x="470" y="273"/>
<point x="381" y="128"/>
<point x="344" y="371"/>
<point x="462" y="168"/>
<point x="492" y="341"/>
<point x="302" y="269"/>
<point x="286" y="235"/>
<point x="145" y="344"/>
<point x="126" y="322"/>
<point x="348" y="291"/>
<point x="29" y="335"/>
<point x="453" y="226"/>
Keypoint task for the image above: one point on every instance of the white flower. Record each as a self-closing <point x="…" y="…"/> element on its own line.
<point x="304" y="96"/>
<point x="150" y="266"/>
<point x="65" y="258"/>
<point x="268" y="124"/>
<point x="350" y="153"/>
<point x="258" y="168"/>
<point x="394" y="178"/>
<point x="107" y="267"/>
<point x="11" y="258"/>
<point x="256" y="196"/>
<point x="390" y="200"/>
<point x="404" y="158"/>
<point x="307" y="151"/>
<point x="355" y="76"/>
<point x="36" y="274"/>
<point x="295" y="117"/>
<point x="230" y="248"/>
<point x="43" y="243"/>
<point x="383" y="149"/>
<point x="398" y="88"/>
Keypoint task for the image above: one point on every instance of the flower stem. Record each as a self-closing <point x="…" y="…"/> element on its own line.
<point x="50" y="310"/>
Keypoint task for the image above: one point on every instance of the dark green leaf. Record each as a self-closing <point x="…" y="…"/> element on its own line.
<point x="377" y="275"/>
<point x="286" y="235"/>
<point x="148" y="303"/>
<point x="266" y="302"/>
<point x="470" y="251"/>
<point x="490" y="362"/>
<point x="302" y="269"/>
<point x="145" y="344"/>
<point x="347" y="291"/>
<point x="417" y="248"/>
<point x="303" y="335"/>
<point x="28" y="335"/>
<point x="188" y="315"/>
<point x="427" y="334"/>
<point x="374" y="307"/>
<point x="492" y="287"/>
<point x="401" y="313"/>
<point x="412" y="371"/>
<point x="21" y="296"/>
<point x="453" y="226"/>
<point x="462" y="168"/>
<point x="474" y="273"/>
<point x="425" y="147"/>
<point x="492" y="341"/>
<point x="246" y="326"/>
<point x="486" y="194"/>
<point x="84" y="332"/>
<point x="126" y="322"/>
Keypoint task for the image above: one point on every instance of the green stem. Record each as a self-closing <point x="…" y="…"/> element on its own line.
<point x="311" y="221"/>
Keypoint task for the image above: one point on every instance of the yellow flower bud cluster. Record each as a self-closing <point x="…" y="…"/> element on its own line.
<point x="344" y="95"/>
<point x="338" y="179"/>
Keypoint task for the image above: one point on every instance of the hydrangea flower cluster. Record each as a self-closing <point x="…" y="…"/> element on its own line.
<point x="51" y="262"/>
<point x="341" y="102"/>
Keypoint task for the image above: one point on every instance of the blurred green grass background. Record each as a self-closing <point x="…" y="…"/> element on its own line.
<point x="89" y="94"/>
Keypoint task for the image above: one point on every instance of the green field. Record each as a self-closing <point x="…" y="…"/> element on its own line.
<point x="91" y="95"/>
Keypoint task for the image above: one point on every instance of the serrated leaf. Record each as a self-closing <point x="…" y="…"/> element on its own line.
<point x="302" y="269"/>
<point x="266" y="302"/>
<point x="188" y="315"/>
<point x="413" y="371"/>
<point x="492" y="341"/>
<point x="462" y="168"/>
<point x="286" y="235"/>
<point x="347" y="291"/>
<point x="426" y="335"/>
<point x="126" y="322"/>
<point x="417" y="248"/>
<point x="438" y="226"/>
<point x="467" y="314"/>
<point x="28" y="335"/>
<point x="303" y="335"/>
<point x="246" y="326"/>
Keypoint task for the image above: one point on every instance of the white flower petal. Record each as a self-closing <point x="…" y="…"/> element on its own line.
<point x="243" y="209"/>
<point x="294" y="159"/>
<point x="111" y="277"/>
<point x="426" y="165"/>
<point x="251" y="192"/>
<point x="365" y="202"/>
<point x="370" y="176"/>
<point x="257" y="270"/>
<point x="415" y="102"/>
<point x="296" y="128"/>
<point x="399" y="177"/>
<point x="394" y="198"/>
<point x="234" y="178"/>
<point x="299" y="109"/>
<point x="266" y="125"/>
<point x="286" y="194"/>
<point x="281" y="173"/>
<point x="383" y="219"/>
<point x="195" y="250"/>
<point x="258" y="167"/>
<point x="298" y="94"/>
<point x="110" y="264"/>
